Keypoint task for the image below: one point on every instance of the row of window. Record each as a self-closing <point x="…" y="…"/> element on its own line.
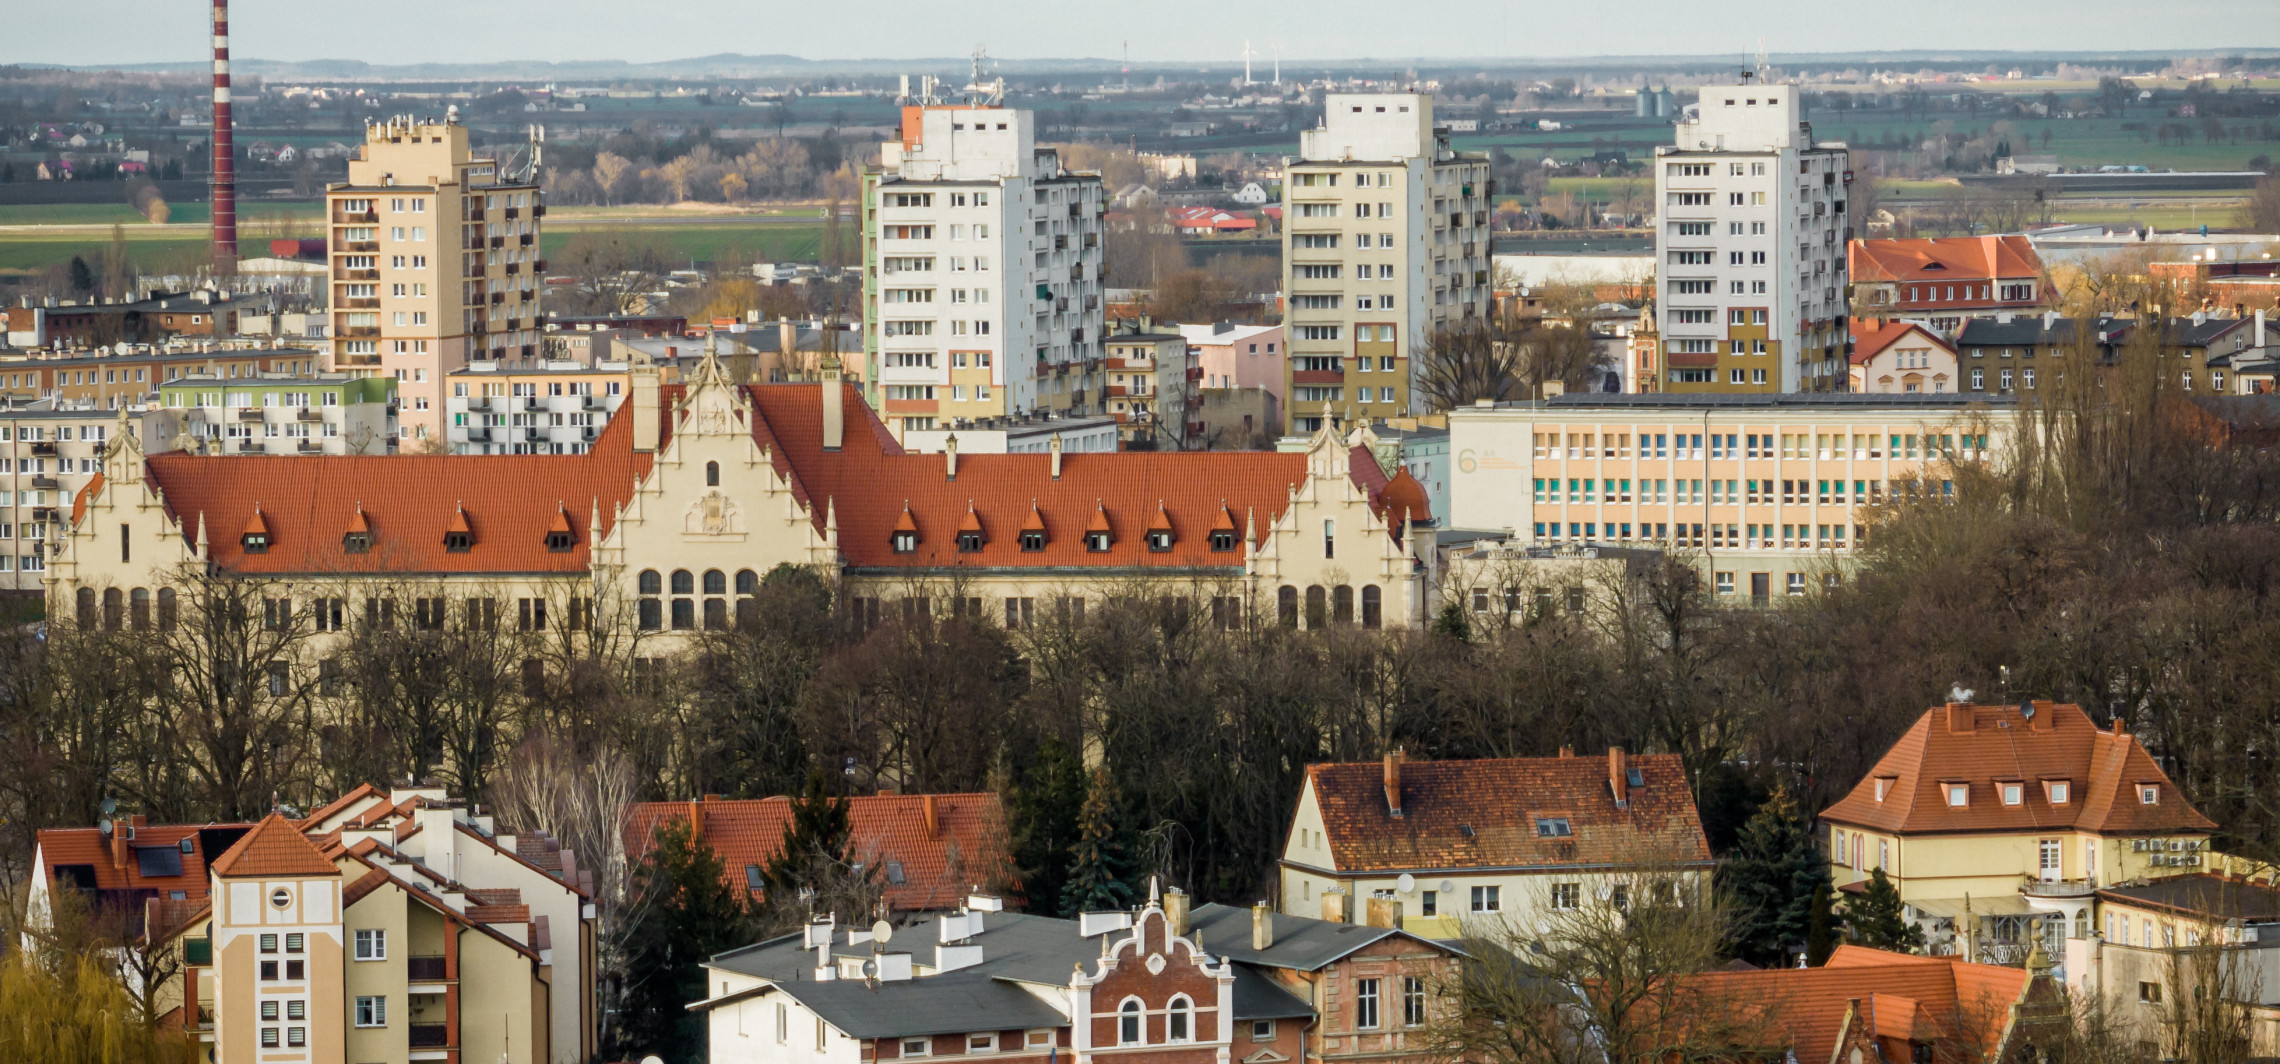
<point x="1729" y="492"/>
<point x="1824" y="446"/>
<point x="1717" y="537"/>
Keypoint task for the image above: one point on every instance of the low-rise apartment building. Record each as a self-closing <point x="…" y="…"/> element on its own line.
<point x="2012" y="814"/>
<point x="204" y="312"/>
<point x="1151" y="391"/>
<point x="388" y="926"/>
<point x="1237" y="356"/>
<point x="328" y="414"/>
<point x="1902" y="357"/>
<point x="132" y="377"/>
<point x="1945" y="281"/>
<point x="2028" y="354"/>
<point x="1019" y="434"/>
<point x="1767" y="491"/>
<point x="554" y="407"/>
<point x="2166" y="946"/>
<point x="1438" y="844"/>
<point x="47" y="455"/>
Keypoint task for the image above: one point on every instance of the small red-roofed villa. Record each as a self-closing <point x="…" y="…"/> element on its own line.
<point x="695" y="491"/>
<point x="1901" y="357"/>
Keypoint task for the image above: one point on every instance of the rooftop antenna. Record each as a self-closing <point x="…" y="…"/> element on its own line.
<point x="979" y="92"/>
<point x="1762" y="62"/>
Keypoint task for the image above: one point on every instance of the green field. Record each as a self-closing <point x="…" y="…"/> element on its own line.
<point x="682" y="243"/>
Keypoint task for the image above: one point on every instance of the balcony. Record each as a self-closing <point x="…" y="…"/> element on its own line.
<point x="538" y="210"/>
<point x="1317" y="376"/>
<point x="498" y="241"/>
<point x="358" y="275"/>
<point x="430" y="1035"/>
<point x="249" y="413"/>
<point x="359" y="332"/>
<point x="429" y="969"/>
<point x="45" y="482"/>
<point x="44" y="448"/>
<point x="308" y="414"/>
<point x="2058" y="888"/>
<point x="529" y="239"/>
<point x="356" y="246"/>
<point x="513" y="211"/>
<point x="372" y="303"/>
<point x="249" y="447"/>
<point x="308" y="446"/>
<point x="514" y="268"/>
<point x="591" y="402"/>
<point x="478" y="435"/>
<point x="1194" y="374"/>
<point x="474" y="211"/>
<point x="359" y="217"/>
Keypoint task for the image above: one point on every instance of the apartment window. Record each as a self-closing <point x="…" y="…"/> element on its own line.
<point x="1428" y="903"/>
<point x="269" y="1011"/>
<point x="917" y="1047"/>
<point x="1366" y="1004"/>
<point x="1567" y="895"/>
<point x="294" y="942"/>
<point x="2149" y="993"/>
<point x="371" y="944"/>
<point x="269" y="1037"/>
<point x="372" y="1011"/>
<point x="268" y="943"/>
<point x="1412" y="1002"/>
<point x="296" y="1036"/>
<point x="1487" y="899"/>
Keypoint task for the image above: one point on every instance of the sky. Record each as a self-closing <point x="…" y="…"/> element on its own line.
<point x="98" y="32"/>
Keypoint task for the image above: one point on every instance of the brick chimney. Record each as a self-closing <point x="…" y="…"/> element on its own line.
<point x="834" y="410"/>
<point x="1262" y="926"/>
<point x="1176" y="910"/>
<point x="1962" y="718"/>
<point x="1619" y="777"/>
<point x="1382" y="912"/>
<point x="696" y="820"/>
<point x="2041" y="719"/>
<point x="1567" y="751"/>
<point x="1393" y="782"/>
<point x="933" y="818"/>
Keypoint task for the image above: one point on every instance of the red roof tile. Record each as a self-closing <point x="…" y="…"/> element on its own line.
<point x="275" y="847"/>
<point x="1903" y="998"/>
<point x="968" y="846"/>
<point x="1980" y="746"/>
<point x="1485" y="813"/>
<point x="1943" y="259"/>
<point x="1872" y="336"/>
<point x="88" y="848"/>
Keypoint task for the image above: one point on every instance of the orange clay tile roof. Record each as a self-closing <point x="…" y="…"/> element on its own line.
<point x="1901" y="997"/>
<point x="1871" y="336"/>
<point x="1982" y="747"/>
<point x="968" y="848"/>
<point x="275" y="847"/>
<point x="87" y="848"/>
<point x="1500" y="800"/>
<point x="1943" y="259"/>
<point x="869" y="487"/>
<point x="1389" y="496"/>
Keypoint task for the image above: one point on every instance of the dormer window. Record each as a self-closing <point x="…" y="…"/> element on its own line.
<point x="2057" y="790"/>
<point x="2014" y="793"/>
<point x="560" y="541"/>
<point x="1223" y="540"/>
<point x="1097" y="542"/>
<point x="969" y="542"/>
<point x="255" y="542"/>
<point x="1160" y="539"/>
<point x="1883" y="787"/>
<point x="1958" y="795"/>
<point x="458" y="542"/>
<point x="905" y="542"/>
<point x="1033" y="539"/>
<point x="356" y="543"/>
<point x="2149" y="794"/>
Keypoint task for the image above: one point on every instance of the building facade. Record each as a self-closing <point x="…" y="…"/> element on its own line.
<point x="386" y="926"/>
<point x="274" y="414"/>
<point x="1749" y="247"/>
<point x="1901" y="357"/>
<point x="1437" y="845"/>
<point x="982" y="272"/>
<point x="2001" y="816"/>
<point x="1945" y="281"/>
<point x="131" y="377"/>
<point x="1152" y="389"/>
<point x="49" y="454"/>
<point x="552" y="407"/>
<point x="2027" y="355"/>
<point x="434" y="262"/>
<point x="1385" y="243"/>
<point x="1771" y="495"/>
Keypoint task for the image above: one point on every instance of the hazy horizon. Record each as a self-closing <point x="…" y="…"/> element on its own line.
<point x="1172" y="31"/>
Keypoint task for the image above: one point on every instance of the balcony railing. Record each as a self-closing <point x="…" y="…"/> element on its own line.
<point x="307" y="414"/>
<point x="430" y="969"/>
<point x="2058" y="888"/>
<point x="249" y="413"/>
<point x="430" y="1035"/>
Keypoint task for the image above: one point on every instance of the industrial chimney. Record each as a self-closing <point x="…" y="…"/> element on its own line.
<point x="225" y="167"/>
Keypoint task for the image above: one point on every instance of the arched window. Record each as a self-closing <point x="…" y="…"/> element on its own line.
<point x="649" y="612"/>
<point x="712" y="474"/>
<point x="138" y="609"/>
<point x="684" y="583"/>
<point x="747" y="607"/>
<point x="651" y="583"/>
<point x="716" y="582"/>
<point x="747" y="582"/>
<point x="1317" y="606"/>
<point x="1178" y="1020"/>
<point x="114" y="609"/>
<point x="1373" y="606"/>
<point x="1342" y="604"/>
<point x="1286" y="606"/>
<point x="166" y="609"/>
<point x="1128" y="1024"/>
<point x="86" y="603"/>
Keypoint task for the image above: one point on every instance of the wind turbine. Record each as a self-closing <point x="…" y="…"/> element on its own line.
<point x="1278" y="66"/>
<point x="1247" y="54"/>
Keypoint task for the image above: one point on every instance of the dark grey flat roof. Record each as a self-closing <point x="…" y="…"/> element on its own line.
<point x="940" y="1004"/>
<point x="1258" y="998"/>
<point x="1905" y="400"/>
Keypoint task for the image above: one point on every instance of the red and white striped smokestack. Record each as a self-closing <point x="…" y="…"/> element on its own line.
<point x="225" y="154"/>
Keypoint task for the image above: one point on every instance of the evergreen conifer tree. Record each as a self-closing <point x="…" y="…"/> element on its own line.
<point x="815" y="844"/>
<point x="1772" y="876"/>
<point x="1044" y="802"/>
<point x="1876" y="919"/>
<point x="690" y="911"/>
<point x="1100" y="861"/>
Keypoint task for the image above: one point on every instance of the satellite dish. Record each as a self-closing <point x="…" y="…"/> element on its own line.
<point x="1448" y="886"/>
<point x="882" y="932"/>
<point x="653" y="1059"/>
<point x="2027" y="708"/>
<point x="109" y="806"/>
<point x="103" y="826"/>
<point x="1406" y="883"/>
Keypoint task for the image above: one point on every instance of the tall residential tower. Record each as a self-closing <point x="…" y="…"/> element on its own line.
<point x="1385" y="241"/>
<point x="982" y="272"/>
<point x="1750" y="247"/>
<point x="434" y="263"/>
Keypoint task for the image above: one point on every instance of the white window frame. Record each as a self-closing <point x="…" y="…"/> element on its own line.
<point x="371" y="1010"/>
<point x="371" y="944"/>
<point x="1366" y="1001"/>
<point x="925" y="1047"/>
<point x="1134" y="1010"/>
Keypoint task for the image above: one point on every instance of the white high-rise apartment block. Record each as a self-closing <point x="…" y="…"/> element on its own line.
<point x="1750" y="248"/>
<point x="982" y="286"/>
<point x="1385" y="241"/>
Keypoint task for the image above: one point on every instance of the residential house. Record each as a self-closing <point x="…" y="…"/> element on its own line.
<point x="929" y="850"/>
<point x="2014" y="815"/>
<point x="1447" y="842"/>
<point x="1900" y="356"/>
<point x="2163" y="945"/>
<point x="1253" y="194"/>
<point x="1874" y="1005"/>
<point x="387" y="926"/>
<point x="274" y="414"/>
<point x="2002" y="353"/>
<point x="1946" y="281"/>
<point x="1157" y="986"/>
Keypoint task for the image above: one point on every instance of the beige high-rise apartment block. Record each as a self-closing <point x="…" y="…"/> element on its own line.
<point x="434" y="262"/>
<point x="1385" y="241"/>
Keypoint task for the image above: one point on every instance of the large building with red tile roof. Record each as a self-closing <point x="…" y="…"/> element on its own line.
<point x="1945" y="280"/>
<point x="685" y="499"/>
<point x="2014" y="814"/>
<point x="1873" y="1005"/>
<point x="929" y="851"/>
<point x="1434" y="844"/>
<point x="1904" y="357"/>
<point x="388" y="926"/>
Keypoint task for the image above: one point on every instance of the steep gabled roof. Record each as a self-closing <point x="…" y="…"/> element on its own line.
<point x="1485" y="813"/>
<point x="966" y="847"/>
<point x="1902" y="998"/>
<point x="275" y="847"/>
<point x="1982" y="746"/>
<point x="1872" y="338"/>
<point x="1943" y="259"/>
